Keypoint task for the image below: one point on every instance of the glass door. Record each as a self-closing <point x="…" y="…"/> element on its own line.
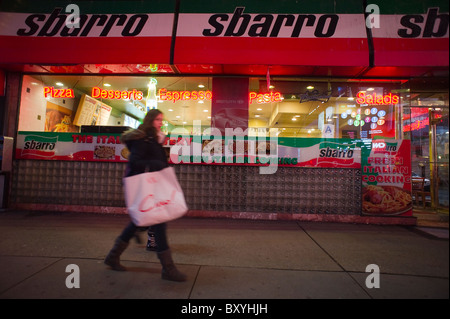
<point x="439" y="155"/>
<point x="426" y="123"/>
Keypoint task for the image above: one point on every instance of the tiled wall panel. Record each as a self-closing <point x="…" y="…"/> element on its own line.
<point x="207" y="187"/>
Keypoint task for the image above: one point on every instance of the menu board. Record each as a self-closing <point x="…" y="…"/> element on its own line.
<point x="92" y="112"/>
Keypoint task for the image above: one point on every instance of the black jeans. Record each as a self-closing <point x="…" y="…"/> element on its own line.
<point x="159" y="230"/>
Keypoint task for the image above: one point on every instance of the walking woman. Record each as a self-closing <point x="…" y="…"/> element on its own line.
<point x="146" y="154"/>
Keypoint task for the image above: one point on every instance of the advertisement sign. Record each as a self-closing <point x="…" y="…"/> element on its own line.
<point x="104" y="33"/>
<point x="295" y="152"/>
<point x="226" y="32"/>
<point x="386" y="177"/>
<point x="70" y="147"/>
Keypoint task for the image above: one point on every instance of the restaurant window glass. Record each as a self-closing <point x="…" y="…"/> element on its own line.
<point x="325" y="108"/>
<point x="69" y="103"/>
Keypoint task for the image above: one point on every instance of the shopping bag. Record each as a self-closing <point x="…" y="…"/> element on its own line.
<point x="154" y="197"/>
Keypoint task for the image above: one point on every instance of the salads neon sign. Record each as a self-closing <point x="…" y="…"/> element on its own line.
<point x="376" y="99"/>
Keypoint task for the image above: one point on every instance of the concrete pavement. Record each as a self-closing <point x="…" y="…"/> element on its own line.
<point x="224" y="259"/>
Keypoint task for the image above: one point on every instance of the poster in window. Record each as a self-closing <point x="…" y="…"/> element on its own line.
<point x="92" y="112"/>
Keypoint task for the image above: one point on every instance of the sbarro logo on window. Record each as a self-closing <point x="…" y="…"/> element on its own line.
<point x="336" y="154"/>
<point x="39" y="146"/>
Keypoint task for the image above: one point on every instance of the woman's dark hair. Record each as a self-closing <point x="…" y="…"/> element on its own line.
<point x="145" y="129"/>
<point x="147" y="125"/>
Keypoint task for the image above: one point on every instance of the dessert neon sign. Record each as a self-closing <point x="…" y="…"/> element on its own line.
<point x="116" y="94"/>
<point x="374" y="99"/>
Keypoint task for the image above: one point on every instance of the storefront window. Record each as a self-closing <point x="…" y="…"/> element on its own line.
<point x="294" y="107"/>
<point x="325" y="109"/>
<point x="75" y="103"/>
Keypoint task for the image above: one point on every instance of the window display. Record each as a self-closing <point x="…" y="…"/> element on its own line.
<point x="294" y="107"/>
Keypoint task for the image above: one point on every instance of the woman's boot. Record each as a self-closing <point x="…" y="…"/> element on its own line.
<point x="113" y="258"/>
<point x="169" y="271"/>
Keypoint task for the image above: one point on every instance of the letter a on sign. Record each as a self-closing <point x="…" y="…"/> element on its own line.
<point x="73" y="280"/>
<point x="373" y="280"/>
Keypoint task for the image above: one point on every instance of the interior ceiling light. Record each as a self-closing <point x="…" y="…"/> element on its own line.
<point x="106" y="84"/>
<point x="310" y="87"/>
<point x="201" y="86"/>
<point x="59" y="84"/>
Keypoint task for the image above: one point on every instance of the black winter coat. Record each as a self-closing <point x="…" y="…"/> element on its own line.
<point x="146" y="154"/>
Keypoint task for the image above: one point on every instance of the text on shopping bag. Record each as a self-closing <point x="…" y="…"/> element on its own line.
<point x="149" y="202"/>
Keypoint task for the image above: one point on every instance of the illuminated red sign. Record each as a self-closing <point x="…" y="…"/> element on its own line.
<point x="174" y="96"/>
<point x="116" y="94"/>
<point x="58" y="93"/>
<point x="265" y="97"/>
<point x="374" y="99"/>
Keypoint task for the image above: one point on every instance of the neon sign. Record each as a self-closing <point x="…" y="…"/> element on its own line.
<point x="116" y="94"/>
<point x="265" y="97"/>
<point x="374" y="99"/>
<point x="58" y="93"/>
<point x="174" y="96"/>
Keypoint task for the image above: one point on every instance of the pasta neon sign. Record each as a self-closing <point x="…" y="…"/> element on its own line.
<point x="374" y="99"/>
<point x="265" y="97"/>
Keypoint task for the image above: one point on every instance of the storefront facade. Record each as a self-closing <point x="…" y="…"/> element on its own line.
<point x="271" y="113"/>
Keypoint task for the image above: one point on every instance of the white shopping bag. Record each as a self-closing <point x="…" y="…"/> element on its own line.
<point x="154" y="197"/>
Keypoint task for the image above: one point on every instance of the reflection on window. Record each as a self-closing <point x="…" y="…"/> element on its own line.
<point x="55" y="103"/>
<point x="325" y="109"/>
<point x="293" y="107"/>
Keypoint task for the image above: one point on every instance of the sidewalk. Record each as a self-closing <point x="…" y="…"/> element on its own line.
<point x="224" y="259"/>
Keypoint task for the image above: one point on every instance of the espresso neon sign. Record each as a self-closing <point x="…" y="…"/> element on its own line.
<point x="376" y="99"/>
<point x="175" y="96"/>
